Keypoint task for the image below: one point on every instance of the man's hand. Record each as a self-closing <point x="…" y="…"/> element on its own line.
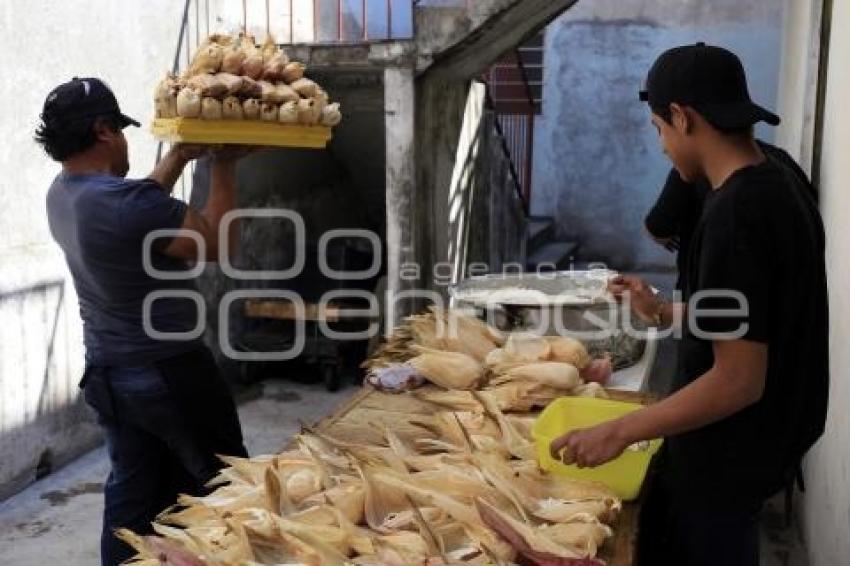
<point x="169" y="168"/>
<point x="590" y="447"/>
<point x="190" y="151"/>
<point x="639" y="294"/>
<point x="230" y="154"/>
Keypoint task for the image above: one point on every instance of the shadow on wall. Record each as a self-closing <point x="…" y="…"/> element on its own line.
<point x="44" y="422"/>
<point x="598" y="163"/>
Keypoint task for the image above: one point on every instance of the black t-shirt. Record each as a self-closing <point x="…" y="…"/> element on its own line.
<point x="676" y="213"/>
<point x="760" y="234"/>
<point x="679" y="206"/>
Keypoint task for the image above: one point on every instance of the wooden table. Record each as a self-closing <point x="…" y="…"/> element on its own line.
<point x="618" y="551"/>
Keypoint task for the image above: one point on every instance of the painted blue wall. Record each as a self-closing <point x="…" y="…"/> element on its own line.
<point x="598" y="163"/>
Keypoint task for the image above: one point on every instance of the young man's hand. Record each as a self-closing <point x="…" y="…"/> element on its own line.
<point x="590" y="447"/>
<point x="639" y="294"/>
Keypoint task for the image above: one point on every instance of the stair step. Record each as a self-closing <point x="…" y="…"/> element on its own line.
<point x="540" y="230"/>
<point x="553" y="253"/>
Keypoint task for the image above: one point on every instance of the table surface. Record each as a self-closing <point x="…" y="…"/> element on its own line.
<point x="618" y="551"/>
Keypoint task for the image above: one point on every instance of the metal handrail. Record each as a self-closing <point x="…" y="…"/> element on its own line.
<point x="184" y="26"/>
<point x="525" y="79"/>
<point x="518" y="150"/>
<point x="491" y="105"/>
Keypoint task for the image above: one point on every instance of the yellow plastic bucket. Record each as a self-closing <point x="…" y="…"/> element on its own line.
<point x="624" y="475"/>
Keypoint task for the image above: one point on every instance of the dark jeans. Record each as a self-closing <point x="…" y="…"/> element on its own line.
<point x="164" y="425"/>
<point x="696" y="529"/>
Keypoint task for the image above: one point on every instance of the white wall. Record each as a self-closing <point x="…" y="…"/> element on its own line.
<point x="798" y="88"/>
<point x="826" y="504"/>
<point x="129" y="44"/>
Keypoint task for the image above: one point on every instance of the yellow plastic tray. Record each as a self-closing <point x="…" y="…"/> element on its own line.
<point x="192" y="130"/>
<point x="623" y="475"/>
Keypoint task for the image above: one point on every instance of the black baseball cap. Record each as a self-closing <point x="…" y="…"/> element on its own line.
<point x="709" y="79"/>
<point x="83" y="98"/>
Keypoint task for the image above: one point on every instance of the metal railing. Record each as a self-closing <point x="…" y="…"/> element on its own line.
<point x="513" y="103"/>
<point x="319" y="21"/>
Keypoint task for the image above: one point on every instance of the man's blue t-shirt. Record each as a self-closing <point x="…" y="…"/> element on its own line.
<point x="100" y="222"/>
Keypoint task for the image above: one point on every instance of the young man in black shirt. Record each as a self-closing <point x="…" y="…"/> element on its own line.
<point x="751" y="390"/>
<point x="673" y="218"/>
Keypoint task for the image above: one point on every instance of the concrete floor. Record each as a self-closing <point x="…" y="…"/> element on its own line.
<point x="57" y="520"/>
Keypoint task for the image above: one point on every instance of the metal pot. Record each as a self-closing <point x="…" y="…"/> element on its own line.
<point x="573" y="303"/>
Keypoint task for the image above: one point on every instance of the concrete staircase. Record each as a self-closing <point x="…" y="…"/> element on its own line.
<point x="543" y="250"/>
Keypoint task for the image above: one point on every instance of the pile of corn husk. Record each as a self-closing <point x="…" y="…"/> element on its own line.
<point x="231" y="78"/>
<point x="456" y="495"/>
<point x="461" y="353"/>
<point x="457" y="483"/>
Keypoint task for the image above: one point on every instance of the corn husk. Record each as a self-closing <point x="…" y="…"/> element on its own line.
<point x="165" y="97"/>
<point x="268" y="92"/>
<point x="449" y="370"/>
<point x="210" y="108"/>
<point x="525" y="347"/>
<point x="252" y="64"/>
<point x="188" y="103"/>
<point x="269" y="112"/>
<point x="231" y="109"/>
<point x="208" y="85"/>
<point x="207" y="59"/>
<point x="231" y="82"/>
<point x="288" y="113"/>
<point x="293" y="72"/>
<point x="450" y="399"/>
<point x="308" y="111"/>
<point x="251" y="109"/>
<point x="331" y="115"/>
<point x="274" y="69"/>
<point x="382" y="501"/>
<point x="512" y="440"/>
<point x="591" y="389"/>
<point x="561" y="376"/>
<point x="437" y="478"/>
<point x="566" y="511"/>
<point x="521" y="396"/>
<point x="305" y="87"/>
<point x="233" y="57"/>
<point x="249" y="88"/>
<point x="285" y="93"/>
<point x="568" y="350"/>
<point x="536" y="539"/>
<point x="269" y="50"/>
<point x="452" y="331"/>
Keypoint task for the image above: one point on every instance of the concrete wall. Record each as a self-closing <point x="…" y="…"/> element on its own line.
<point x="440" y="106"/>
<point x="826" y="503"/>
<point x="796" y="100"/>
<point x="598" y="164"/>
<point x="466" y="209"/>
<point x="340" y="187"/>
<point x="128" y="44"/>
